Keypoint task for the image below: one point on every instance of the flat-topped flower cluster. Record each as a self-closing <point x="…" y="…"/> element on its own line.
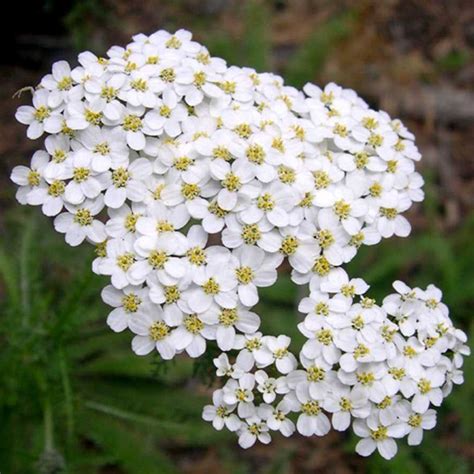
<point x="195" y="180"/>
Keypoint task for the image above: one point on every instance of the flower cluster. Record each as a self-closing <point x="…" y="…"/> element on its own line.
<point x="195" y="180"/>
<point x="382" y="369"/>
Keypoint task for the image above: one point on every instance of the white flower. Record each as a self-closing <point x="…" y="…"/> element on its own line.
<point x="389" y="221"/>
<point x="108" y="148"/>
<point x="118" y="262"/>
<point x="141" y="88"/>
<point x="40" y="118"/>
<point x="345" y="209"/>
<point x="220" y="413"/>
<point x="237" y="181"/>
<point x="81" y="115"/>
<point x="426" y="389"/>
<point x="30" y="178"/>
<point x="274" y="203"/>
<point x="254" y="429"/>
<point x="378" y="436"/>
<point x="85" y="184"/>
<point x="215" y="283"/>
<point x="415" y="422"/>
<point x="252" y="268"/>
<point x="285" y="361"/>
<point x="312" y="420"/>
<point x="269" y="387"/>
<point x="240" y="392"/>
<point x="276" y="417"/>
<point x="127" y="183"/>
<point x="262" y="234"/>
<point x="79" y="223"/>
<point x="157" y="257"/>
<point x="122" y="221"/>
<point x="243" y="364"/>
<point x="228" y="320"/>
<point x="190" y="335"/>
<point x="343" y="403"/>
<point x="152" y="332"/>
<point x="127" y="302"/>
<point x="370" y="378"/>
<point x="60" y="83"/>
<point x="161" y="219"/>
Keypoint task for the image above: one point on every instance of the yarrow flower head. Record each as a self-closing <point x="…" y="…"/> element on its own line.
<point x="195" y="180"/>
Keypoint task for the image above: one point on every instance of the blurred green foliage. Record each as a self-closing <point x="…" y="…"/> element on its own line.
<point x="75" y="399"/>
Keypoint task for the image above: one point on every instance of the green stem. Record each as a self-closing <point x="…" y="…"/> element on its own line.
<point x="67" y="397"/>
<point x="47" y="412"/>
<point x="48" y="426"/>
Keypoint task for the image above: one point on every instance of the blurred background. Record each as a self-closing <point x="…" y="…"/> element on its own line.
<point x="73" y="397"/>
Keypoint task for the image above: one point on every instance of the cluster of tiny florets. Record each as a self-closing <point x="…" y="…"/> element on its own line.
<point x="195" y="180"/>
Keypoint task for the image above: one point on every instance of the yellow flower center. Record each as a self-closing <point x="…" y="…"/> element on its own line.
<point x="65" y="83"/>
<point x="231" y="182"/>
<point x="251" y="234"/>
<point x="321" y="266"/>
<point x="196" y="255"/>
<point x="125" y="261"/>
<point x="342" y="209"/>
<point x="243" y="130"/>
<point x="190" y="191"/>
<point x="173" y="43"/>
<point x="228" y="317"/>
<point x="42" y="113"/>
<point x="172" y="294"/>
<point x="92" y="117"/>
<point x="221" y="152"/>
<point x="157" y="259"/>
<point x="365" y="378"/>
<point x="199" y="79"/>
<point x="397" y="372"/>
<point x="289" y="245"/>
<point x="415" y="420"/>
<point x="56" y="188"/>
<point x="311" y="408"/>
<point x="131" y="222"/>
<point x="33" y="178"/>
<point x="315" y="373"/>
<point x="215" y="209"/>
<point x="321" y="179"/>
<point x="321" y="309"/>
<point x="183" y="163"/>
<point x="255" y="154"/>
<point x="139" y="85"/>
<point x="158" y="330"/>
<point x="120" y="177"/>
<point x="244" y="275"/>
<point x="229" y="87"/>
<point x="102" y="149"/>
<point x="131" y="303"/>
<point x="132" y="123"/>
<point x="265" y="202"/>
<point x="358" y="322"/>
<point x="211" y="287"/>
<point x="83" y="217"/>
<point x="345" y="404"/>
<point x="193" y="324"/>
<point x="340" y="129"/>
<point x="375" y="140"/>
<point x="324" y="336"/>
<point x="168" y="75"/>
<point x="424" y="386"/>
<point x="379" y="434"/>
<point x="108" y="93"/>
